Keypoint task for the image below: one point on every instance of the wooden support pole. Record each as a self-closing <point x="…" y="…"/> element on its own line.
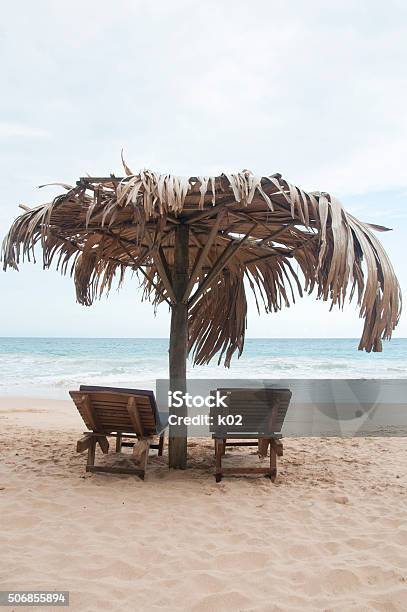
<point x="177" y="443"/>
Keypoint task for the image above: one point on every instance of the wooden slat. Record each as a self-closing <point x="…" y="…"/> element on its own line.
<point x="91" y="416"/>
<point x="129" y="427"/>
<point x="118" y="398"/>
<point x="113" y="422"/>
<point x="121" y="410"/>
<point x="244" y="436"/>
<point x="253" y="443"/>
<point x="246" y="470"/>
<point x="123" y="418"/>
<point x="119" y="413"/>
<point x="118" y="405"/>
<point x="115" y="470"/>
<point x="135" y="416"/>
<point x="121" y="405"/>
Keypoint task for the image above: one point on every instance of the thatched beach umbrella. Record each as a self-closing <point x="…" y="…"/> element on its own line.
<point x="197" y="240"/>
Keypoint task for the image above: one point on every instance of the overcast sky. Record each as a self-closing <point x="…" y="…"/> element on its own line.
<point x="314" y="90"/>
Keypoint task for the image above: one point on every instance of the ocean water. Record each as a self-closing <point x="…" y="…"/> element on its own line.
<point x="49" y="367"/>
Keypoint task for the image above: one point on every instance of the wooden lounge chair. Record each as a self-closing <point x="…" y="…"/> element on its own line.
<point x="262" y="414"/>
<point x="129" y="414"/>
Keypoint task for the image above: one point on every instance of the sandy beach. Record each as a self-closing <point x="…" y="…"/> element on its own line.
<point x="329" y="534"/>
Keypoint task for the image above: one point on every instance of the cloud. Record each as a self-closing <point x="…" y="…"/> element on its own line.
<point x="314" y="90"/>
<point x="10" y="130"/>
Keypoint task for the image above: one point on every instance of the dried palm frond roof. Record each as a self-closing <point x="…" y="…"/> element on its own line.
<point x="240" y="227"/>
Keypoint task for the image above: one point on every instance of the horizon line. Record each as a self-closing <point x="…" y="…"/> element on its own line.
<point x="167" y="338"/>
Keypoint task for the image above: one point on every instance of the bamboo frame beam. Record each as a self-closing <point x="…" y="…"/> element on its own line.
<point x="203" y="255"/>
<point x="221" y="262"/>
<point x="163" y="270"/>
<point x="209" y="212"/>
<point x="84" y="180"/>
<point x="195" y="238"/>
<point x="289" y="253"/>
<point x="76" y="244"/>
<point x="137" y="261"/>
<point x="156" y="287"/>
<point x="247" y="217"/>
<point x="274" y="235"/>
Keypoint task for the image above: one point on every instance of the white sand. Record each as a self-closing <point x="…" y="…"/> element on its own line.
<point x="329" y="534"/>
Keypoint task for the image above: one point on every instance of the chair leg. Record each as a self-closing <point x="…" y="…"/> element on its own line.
<point x="91" y="453"/>
<point x="118" y="443"/>
<point x="218" y="459"/>
<point x="161" y="444"/>
<point x="143" y="464"/>
<point x="273" y="461"/>
<point x="263" y="444"/>
<point x="224" y="446"/>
